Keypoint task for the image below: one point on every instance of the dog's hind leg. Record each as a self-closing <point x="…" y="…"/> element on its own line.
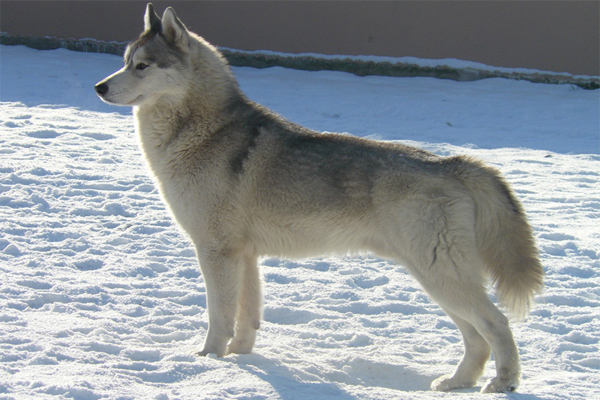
<point x="222" y="272"/>
<point x="469" y="302"/>
<point x="249" y="309"/>
<point x="470" y="368"/>
<point x="443" y="255"/>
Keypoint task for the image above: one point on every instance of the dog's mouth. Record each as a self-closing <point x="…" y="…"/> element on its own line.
<point x="136" y="101"/>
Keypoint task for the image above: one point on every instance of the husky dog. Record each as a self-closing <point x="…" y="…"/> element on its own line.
<point x="244" y="182"/>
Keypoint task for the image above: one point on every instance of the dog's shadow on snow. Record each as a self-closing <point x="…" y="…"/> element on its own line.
<point x="309" y="381"/>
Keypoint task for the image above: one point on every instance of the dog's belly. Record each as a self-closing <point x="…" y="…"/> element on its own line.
<point x="314" y="236"/>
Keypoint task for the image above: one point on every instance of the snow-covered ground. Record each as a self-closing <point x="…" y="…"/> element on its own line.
<point x="101" y="296"/>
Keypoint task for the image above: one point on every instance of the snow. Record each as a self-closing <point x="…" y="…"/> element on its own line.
<point x="101" y="295"/>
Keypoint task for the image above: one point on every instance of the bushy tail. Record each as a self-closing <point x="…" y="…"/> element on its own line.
<point x="504" y="238"/>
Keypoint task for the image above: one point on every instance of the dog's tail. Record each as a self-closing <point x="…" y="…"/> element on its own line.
<point x="504" y="238"/>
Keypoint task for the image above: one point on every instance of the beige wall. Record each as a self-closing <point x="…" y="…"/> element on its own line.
<point x="559" y="36"/>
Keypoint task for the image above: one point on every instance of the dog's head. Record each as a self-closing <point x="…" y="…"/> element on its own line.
<point x="158" y="64"/>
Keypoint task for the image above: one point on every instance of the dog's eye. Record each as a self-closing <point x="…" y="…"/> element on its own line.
<point x="141" y="66"/>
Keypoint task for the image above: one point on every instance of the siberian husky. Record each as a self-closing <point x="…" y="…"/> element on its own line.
<point x="244" y="182"/>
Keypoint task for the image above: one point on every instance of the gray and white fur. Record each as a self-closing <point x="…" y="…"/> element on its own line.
<point x="243" y="182"/>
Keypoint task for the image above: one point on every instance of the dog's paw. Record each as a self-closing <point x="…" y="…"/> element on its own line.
<point x="242" y="342"/>
<point x="214" y="343"/>
<point x="447" y="383"/>
<point x="206" y="353"/>
<point x="240" y="347"/>
<point x="212" y="351"/>
<point x="499" y="385"/>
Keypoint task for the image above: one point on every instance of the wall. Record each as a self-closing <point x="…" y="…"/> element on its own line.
<point x="559" y="36"/>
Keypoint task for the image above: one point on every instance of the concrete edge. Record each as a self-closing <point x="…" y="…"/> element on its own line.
<point x="309" y="63"/>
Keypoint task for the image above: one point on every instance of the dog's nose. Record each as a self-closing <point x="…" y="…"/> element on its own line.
<point x="101" y="89"/>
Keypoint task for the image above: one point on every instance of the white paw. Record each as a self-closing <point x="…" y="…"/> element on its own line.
<point x="207" y="354"/>
<point x="498" y="385"/>
<point x="214" y="347"/>
<point x="239" y="348"/>
<point x="242" y="344"/>
<point x="448" y="382"/>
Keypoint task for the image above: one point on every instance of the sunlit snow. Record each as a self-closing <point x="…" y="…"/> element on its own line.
<point x="101" y="295"/>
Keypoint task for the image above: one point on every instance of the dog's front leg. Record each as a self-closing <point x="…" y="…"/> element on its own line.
<point x="249" y="308"/>
<point x="222" y="271"/>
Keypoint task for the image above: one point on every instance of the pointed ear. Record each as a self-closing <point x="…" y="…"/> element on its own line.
<point x="173" y="29"/>
<point x="151" y="19"/>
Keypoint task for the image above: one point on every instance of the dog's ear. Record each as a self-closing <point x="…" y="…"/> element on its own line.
<point x="151" y="19"/>
<point x="173" y="29"/>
